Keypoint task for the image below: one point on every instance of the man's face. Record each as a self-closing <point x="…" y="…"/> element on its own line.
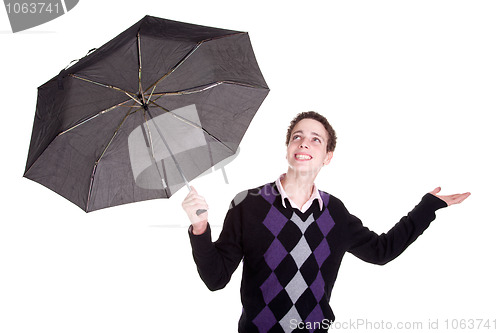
<point x="306" y="151"/>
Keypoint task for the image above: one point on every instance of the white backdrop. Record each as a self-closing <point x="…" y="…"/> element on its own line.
<point x="411" y="88"/>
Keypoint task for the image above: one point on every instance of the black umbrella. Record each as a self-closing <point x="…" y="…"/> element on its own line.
<point x="139" y="117"/>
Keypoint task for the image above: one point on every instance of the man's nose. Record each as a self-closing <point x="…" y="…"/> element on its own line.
<point x="303" y="144"/>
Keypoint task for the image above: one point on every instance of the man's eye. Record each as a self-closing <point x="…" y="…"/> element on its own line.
<point x="317" y="140"/>
<point x="295" y="137"/>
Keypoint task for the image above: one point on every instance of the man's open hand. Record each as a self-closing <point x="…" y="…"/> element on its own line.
<point x="450" y="199"/>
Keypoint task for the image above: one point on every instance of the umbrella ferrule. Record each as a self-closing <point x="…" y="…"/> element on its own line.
<point x="142" y="101"/>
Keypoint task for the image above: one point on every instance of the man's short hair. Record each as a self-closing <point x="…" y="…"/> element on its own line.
<point x="332" y="138"/>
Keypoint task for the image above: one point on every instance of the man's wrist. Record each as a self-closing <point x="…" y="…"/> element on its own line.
<point x="199" y="228"/>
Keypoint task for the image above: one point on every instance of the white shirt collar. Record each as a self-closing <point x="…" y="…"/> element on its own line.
<point x="314" y="195"/>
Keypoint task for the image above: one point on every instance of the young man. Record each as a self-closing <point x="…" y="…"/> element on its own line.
<point x="292" y="238"/>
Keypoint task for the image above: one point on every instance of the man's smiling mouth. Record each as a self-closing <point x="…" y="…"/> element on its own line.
<point x="303" y="157"/>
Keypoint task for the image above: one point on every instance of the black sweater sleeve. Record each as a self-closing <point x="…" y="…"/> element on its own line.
<point x="217" y="261"/>
<point x="380" y="249"/>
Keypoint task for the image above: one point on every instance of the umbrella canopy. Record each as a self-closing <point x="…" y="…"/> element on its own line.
<point x="148" y="111"/>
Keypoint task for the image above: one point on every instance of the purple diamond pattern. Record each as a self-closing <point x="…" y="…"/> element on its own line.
<point x="325" y="222"/>
<point x="322" y="252"/>
<point x="275" y="221"/>
<point x="325" y="197"/>
<point x="270" y="288"/>
<point x="318" y="287"/>
<point x="265" y="320"/>
<point x="268" y="193"/>
<point x="315" y="319"/>
<point x="275" y="254"/>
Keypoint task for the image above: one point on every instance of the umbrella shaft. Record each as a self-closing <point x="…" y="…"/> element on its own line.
<point x="168" y="148"/>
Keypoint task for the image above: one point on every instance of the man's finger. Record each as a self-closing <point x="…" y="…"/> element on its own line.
<point x="462" y="197"/>
<point x="435" y="191"/>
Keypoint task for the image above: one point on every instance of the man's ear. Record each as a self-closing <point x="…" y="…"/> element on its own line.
<point x="328" y="158"/>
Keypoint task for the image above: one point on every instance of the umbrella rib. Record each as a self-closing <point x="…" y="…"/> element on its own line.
<point x="101" y="84"/>
<point x="84" y="121"/>
<point x="96" y="115"/>
<point x="206" y="87"/>
<point x="114" y="134"/>
<point x="187" y="56"/>
<point x="194" y="125"/>
<point x="190" y="91"/>
<point x="175" y="67"/>
<point x="102" y="154"/>
<point x="140" y="63"/>
<point x="150" y="95"/>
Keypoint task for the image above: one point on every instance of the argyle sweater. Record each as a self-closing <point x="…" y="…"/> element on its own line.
<point x="291" y="259"/>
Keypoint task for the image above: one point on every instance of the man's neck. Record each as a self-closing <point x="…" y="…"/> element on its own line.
<point x="298" y="187"/>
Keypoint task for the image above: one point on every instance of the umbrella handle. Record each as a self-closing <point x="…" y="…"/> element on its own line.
<point x="200" y="211"/>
